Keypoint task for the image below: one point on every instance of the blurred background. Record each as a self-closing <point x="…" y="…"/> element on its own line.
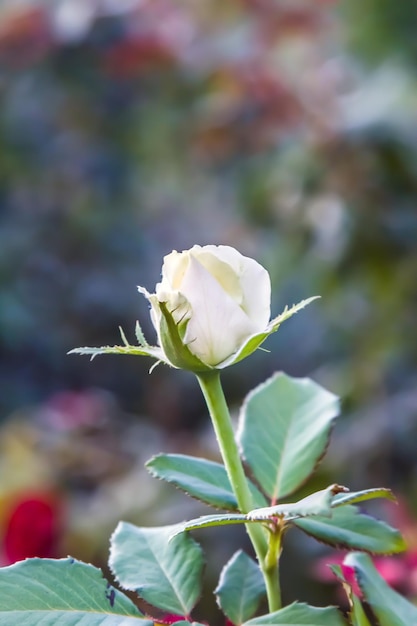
<point x="128" y="128"/>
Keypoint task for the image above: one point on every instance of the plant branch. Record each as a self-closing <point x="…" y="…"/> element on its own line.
<point x="219" y="412"/>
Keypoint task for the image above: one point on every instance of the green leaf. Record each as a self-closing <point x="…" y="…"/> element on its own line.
<point x="206" y="521"/>
<point x="205" y="480"/>
<point x="64" y="592"/>
<point x="165" y="573"/>
<point x="347" y="528"/>
<point x="300" y="614"/>
<point x="356" y="614"/>
<point x="353" y="497"/>
<point x="344" y="527"/>
<point x="152" y="351"/>
<point x="284" y="429"/>
<point x="388" y="606"/>
<point x="318" y="503"/>
<point x="241" y="588"/>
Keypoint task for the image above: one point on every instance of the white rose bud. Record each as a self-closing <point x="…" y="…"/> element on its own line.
<point x="217" y="298"/>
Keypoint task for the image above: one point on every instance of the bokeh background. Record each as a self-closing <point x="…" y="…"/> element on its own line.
<point x="128" y="128"/>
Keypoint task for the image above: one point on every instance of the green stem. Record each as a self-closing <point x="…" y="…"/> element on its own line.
<point x="271" y="564"/>
<point x="213" y="393"/>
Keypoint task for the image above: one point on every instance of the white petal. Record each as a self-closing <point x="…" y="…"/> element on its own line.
<point x="155" y="310"/>
<point x="256" y="286"/>
<point x="254" y="280"/>
<point x="173" y="270"/>
<point x="218" y="326"/>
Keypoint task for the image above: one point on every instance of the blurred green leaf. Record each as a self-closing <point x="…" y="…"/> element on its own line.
<point x="388" y="606"/>
<point x="284" y="430"/>
<point x="165" y="572"/>
<point x="357" y="615"/>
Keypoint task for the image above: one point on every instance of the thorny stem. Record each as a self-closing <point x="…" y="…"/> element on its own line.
<point x="213" y="393"/>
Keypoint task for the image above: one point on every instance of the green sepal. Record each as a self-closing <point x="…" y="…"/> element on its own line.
<point x="152" y="351"/>
<point x="171" y="336"/>
<point x="140" y="337"/>
<point x="204" y="480"/>
<point x="256" y="340"/>
<point x="175" y="352"/>
<point x="144" y="348"/>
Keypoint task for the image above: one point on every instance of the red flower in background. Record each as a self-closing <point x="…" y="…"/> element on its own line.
<point x="25" y="36"/>
<point x="33" y="528"/>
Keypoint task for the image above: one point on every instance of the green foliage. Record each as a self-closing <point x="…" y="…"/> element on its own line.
<point x="284" y="430"/>
<point x="165" y="572"/>
<point x="152" y="351"/>
<point x="323" y="515"/>
<point x="318" y="503"/>
<point x="354" y="497"/>
<point x="300" y="614"/>
<point x="163" y="566"/>
<point x="241" y="588"/>
<point x="64" y="592"/>
<point x="348" y="528"/>
<point x="388" y="606"/>
<point x="357" y="614"/>
<point x="375" y="27"/>
<point x="208" y="521"/>
<point x="204" y="480"/>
